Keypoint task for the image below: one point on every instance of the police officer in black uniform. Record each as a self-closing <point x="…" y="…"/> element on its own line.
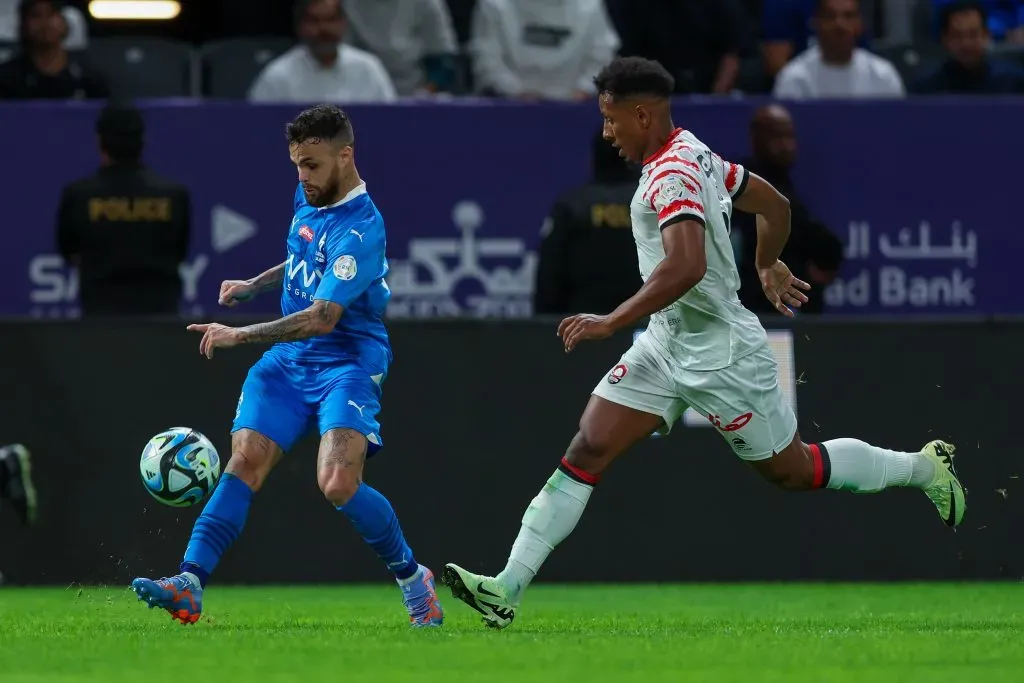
<point x="125" y="227"/>
<point x="588" y="258"/>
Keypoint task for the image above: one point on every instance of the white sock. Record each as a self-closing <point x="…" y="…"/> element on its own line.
<point x="862" y="468"/>
<point x="549" y="520"/>
<point x="193" y="579"/>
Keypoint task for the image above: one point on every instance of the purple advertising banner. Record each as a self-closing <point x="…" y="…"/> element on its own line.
<point x="920" y="192"/>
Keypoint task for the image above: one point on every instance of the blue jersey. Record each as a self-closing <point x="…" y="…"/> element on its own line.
<point x="337" y="253"/>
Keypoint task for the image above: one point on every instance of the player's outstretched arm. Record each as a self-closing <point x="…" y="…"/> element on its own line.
<point x="773" y="216"/>
<point x="773" y="212"/>
<point x="319" y="319"/>
<point x="233" y="292"/>
<point x="682" y="268"/>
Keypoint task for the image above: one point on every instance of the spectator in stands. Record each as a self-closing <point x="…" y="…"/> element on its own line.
<point x="540" y="49"/>
<point x="787" y="29"/>
<point x="698" y="41"/>
<point x="322" y="68"/>
<point x="414" y="39"/>
<point x="588" y="259"/>
<point x="78" y="30"/>
<point x="813" y="252"/>
<point x="836" y="67"/>
<point x="969" y="69"/>
<point x="1003" y="18"/>
<point x="42" y="67"/>
<point x="125" y="227"/>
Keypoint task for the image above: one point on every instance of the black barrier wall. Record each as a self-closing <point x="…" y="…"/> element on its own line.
<point x="476" y="416"/>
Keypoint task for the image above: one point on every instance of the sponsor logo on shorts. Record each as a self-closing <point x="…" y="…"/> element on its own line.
<point x="737" y="424"/>
<point x="739" y="444"/>
<point x="617" y="373"/>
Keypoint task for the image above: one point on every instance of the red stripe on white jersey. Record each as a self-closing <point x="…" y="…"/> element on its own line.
<point x="730" y="179"/>
<point x="672" y="139"/>
<point x="677" y="159"/>
<point x="678" y="206"/>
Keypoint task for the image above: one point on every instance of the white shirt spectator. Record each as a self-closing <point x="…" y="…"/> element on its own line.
<point x="402" y="33"/>
<point x="295" y="76"/>
<point x="867" y="75"/>
<point x="547" y="48"/>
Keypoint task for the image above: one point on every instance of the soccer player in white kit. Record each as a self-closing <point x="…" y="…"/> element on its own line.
<point x="701" y="349"/>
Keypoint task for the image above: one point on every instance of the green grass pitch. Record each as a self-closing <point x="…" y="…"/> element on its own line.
<point x="742" y="633"/>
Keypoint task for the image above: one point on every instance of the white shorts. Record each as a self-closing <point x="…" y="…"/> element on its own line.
<point x="743" y="401"/>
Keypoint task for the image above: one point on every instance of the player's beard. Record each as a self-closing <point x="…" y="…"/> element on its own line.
<point x="328" y="194"/>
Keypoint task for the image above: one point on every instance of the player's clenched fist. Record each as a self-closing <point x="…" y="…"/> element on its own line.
<point x="235" y="291"/>
<point x="575" y="329"/>
<point x="215" y="336"/>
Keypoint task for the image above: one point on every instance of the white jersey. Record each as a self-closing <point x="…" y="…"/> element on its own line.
<point x="708" y="328"/>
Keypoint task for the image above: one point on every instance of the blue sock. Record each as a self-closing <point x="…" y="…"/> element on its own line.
<point x="374" y="518"/>
<point x="218" y="527"/>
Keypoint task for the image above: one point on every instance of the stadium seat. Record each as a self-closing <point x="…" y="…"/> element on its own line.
<point x="913" y="61"/>
<point x="144" y="67"/>
<point x="752" y="78"/>
<point x="229" y="67"/>
<point x="1009" y="53"/>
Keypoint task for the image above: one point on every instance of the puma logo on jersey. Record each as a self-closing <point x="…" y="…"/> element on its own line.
<point x="360" y="235"/>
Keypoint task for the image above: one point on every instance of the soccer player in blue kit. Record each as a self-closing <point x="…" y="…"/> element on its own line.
<point x="329" y="357"/>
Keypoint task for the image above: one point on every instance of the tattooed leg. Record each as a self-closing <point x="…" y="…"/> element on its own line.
<point x="340" y="473"/>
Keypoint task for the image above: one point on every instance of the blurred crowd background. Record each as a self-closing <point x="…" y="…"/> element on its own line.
<point x="381" y="50"/>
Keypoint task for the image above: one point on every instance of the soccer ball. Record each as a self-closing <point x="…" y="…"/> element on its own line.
<point x="179" y="467"/>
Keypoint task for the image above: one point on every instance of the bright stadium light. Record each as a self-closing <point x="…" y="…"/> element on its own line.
<point x="134" y="9"/>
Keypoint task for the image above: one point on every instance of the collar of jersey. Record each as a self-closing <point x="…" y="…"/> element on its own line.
<point x="668" y="143"/>
<point x="359" y="189"/>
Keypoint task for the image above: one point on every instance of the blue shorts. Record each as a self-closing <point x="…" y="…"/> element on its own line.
<point x="280" y="399"/>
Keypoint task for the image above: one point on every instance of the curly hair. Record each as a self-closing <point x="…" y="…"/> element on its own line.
<point x="322" y="123"/>
<point x="629" y="76"/>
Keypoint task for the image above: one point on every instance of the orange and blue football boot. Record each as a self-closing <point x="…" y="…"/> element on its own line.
<point x="420" y="599"/>
<point x="182" y="598"/>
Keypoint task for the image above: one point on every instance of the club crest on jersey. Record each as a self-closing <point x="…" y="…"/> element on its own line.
<point x="306" y="233"/>
<point x="345" y="267"/>
<point x="617" y="373"/>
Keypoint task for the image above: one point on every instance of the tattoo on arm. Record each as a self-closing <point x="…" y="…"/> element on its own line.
<point x="270" y="279"/>
<point x="318" y="319"/>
